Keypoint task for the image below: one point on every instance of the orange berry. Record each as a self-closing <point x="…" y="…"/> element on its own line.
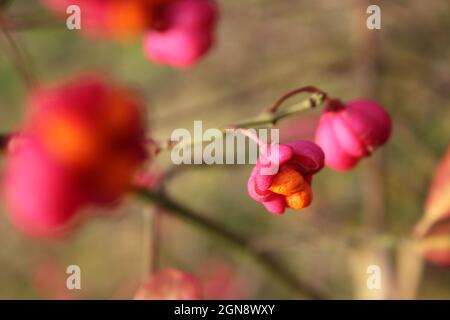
<point x="120" y="119"/>
<point x="288" y="181"/>
<point x="128" y="18"/>
<point x="116" y="175"/>
<point x="301" y="199"/>
<point x="69" y="141"/>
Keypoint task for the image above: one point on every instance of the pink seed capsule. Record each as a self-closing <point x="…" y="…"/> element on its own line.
<point x="187" y="34"/>
<point x="348" y="133"/>
<point x="41" y="198"/>
<point x="170" y="284"/>
<point x="288" y="184"/>
<point x="80" y="146"/>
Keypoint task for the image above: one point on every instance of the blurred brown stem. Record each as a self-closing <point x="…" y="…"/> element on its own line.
<point x="268" y="118"/>
<point x="295" y="92"/>
<point x="150" y="241"/>
<point x="275" y="115"/>
<point x="25" y="21"/>
<point x="410" y="265"/>
<point x="16" y="55"/>
<point x="367" y="69"/>
<point x="234" y="241"/>
<point x="4" y="139"/>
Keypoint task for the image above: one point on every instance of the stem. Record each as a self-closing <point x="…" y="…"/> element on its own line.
<point x="265" y="119"/>
<point x="410" y="268"/>
<point x="294" y="92"/>
<point x="234" y="241"/>
<point x="21" y="22"/>
<point x="150" y="242"/>
<point x="4" y="139"/>
<point x="374" y="207"/>
<point x="271" y="118"/>
<point x="16" y="55"/>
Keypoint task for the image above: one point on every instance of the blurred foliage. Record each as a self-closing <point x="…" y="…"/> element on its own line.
<point x="264" y="48"/>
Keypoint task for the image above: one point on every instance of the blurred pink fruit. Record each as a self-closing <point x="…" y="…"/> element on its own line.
<point x="170" y="284"/>
<point x="177" y="32"/>
<point x="186" y="35"/>
<point x="222" y="281"/>
<point x="81" y="145"/>
<point x="440" y="257"/>
<point x="111" y="18"/>
<point x="350" y="132"/>
<point x="41" y="197"/>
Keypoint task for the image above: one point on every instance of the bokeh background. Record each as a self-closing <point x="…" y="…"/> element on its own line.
<point x="264" y="49"/>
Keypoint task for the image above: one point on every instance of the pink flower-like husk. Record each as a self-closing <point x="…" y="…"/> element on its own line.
<point x="304" y="155"/>
<point x="39" y="194"/>
<point x="350" y="133"/>
<point x="85" y="100"/>
<point x="44" y="191"/>
<point x="187" y="36"/>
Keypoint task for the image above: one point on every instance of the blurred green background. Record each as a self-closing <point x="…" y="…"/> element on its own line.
<point x="264" y="49"/>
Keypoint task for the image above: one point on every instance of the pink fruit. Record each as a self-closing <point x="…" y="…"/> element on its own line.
<point x="116" y="19"/>
<point x="187" y="34"/>
<point x="282" y="177"/>
<point x="81" y="145"/>
<point x="347" y="133"/>
<point x="170" y="284"/>
<point x="39" y="194"/>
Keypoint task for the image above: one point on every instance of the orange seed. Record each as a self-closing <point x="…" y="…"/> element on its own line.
<point x="288" y="181"/>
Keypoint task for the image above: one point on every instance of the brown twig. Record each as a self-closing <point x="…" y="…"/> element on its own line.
<point x="16" y="55"/>
<point x="234" y="241"/>
<point x="310" y="89"/>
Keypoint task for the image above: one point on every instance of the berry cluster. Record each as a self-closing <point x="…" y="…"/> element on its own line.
<point x="80" y="145"/>
<point x="176" y="32"/>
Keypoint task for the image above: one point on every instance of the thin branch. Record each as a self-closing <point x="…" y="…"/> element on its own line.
<point x="150" y="241"/>
<point x="274" y="115"/>
<point x="17" y="55"/>
<point x="4" y="139"/>
<point x="23" y="22"/>
<point x="234" y="241"/>
<point x="280" y="101"/>
<point x="265" y="119"/>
